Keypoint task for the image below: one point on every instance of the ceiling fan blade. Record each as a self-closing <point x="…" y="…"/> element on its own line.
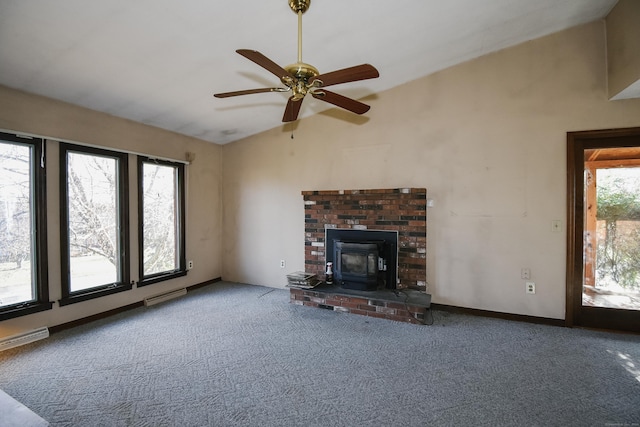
<point x="250" y="91"/>
<point x="351" y="74"/>
<point x="265" y="63"/>
<point x="292" y="110"/>
<point x="341" y="101"/>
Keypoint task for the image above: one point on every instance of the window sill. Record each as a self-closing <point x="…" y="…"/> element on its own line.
<point x="92" y="294"/>
<point x="24" y="309"/>
<point x="161" y="277"/>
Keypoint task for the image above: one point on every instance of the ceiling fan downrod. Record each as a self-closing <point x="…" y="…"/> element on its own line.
<point x="299" y="7"/>
<point x="302" y="71"/>
<point x="299" y="36"/>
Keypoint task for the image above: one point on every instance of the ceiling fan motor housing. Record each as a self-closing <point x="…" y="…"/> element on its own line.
<point x="299" y="5"/>
<point x="303" y="73"/>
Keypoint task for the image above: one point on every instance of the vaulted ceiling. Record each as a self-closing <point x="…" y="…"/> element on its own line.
<point x="158" y="62"/>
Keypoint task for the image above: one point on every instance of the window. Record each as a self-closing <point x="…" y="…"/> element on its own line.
<point x="161" y="212"/>
<point x="23" y="233"/>
<point x="94" y="223"/>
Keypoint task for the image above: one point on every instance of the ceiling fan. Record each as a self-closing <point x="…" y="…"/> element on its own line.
<point x="303" y="79"/>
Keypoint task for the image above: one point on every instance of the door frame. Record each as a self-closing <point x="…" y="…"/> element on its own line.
<point x="576" y="314"/>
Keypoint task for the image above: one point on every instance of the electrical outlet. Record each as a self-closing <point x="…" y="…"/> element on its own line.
<point x="282" y="264"/>
<point x="189" y="265"/>
<point x="530" y="287"/>
<point x="525" y="273"/>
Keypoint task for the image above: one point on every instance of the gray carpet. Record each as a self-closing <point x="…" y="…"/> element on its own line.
<point x="241" y="355"/>
<point x="15" y="414"/>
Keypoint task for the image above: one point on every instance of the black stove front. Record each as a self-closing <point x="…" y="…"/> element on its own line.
<point x="363" y="259"/>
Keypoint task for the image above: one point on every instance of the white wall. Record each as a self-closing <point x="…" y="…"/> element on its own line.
<point x="24" y="113"/>
<point x="486" y="138"/>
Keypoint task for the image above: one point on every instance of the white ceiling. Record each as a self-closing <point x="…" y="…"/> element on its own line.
<point x="159" y="61"/>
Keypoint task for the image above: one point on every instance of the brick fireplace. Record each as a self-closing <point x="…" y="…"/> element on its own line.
<point x="402" y="210"/>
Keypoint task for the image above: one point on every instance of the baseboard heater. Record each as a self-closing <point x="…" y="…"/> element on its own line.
<point x="157" y="299"/>
<point x="24" y="338"/>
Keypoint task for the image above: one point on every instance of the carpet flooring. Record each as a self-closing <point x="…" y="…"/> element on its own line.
<point x="241" y="355"/>
<point x="15" y="414"/>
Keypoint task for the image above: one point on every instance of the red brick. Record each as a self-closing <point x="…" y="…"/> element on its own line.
<point x="395" y="202"/>
<point x="396" y="305"/>
<point x="403" y="313"/>
<point x="332" y="302"/>
<point x="349" y="304"/>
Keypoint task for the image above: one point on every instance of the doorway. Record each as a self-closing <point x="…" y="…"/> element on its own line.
<point x="603" y="229"/>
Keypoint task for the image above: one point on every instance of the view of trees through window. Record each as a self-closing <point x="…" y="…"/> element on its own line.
<point x="92" y="202"/>
<point x="16" y="224"/>
<point x="160" y="218"/>
<point x="618" y="229"/>
<point x="94" y="223"/>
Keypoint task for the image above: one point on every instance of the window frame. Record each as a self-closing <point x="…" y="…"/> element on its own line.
<point x="578" y="314"/>
<point x="38" y="172"/>
<point x="181" y="222"/>
<point x="122" y="185"/>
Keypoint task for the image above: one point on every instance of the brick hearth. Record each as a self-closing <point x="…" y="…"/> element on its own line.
<point x="405" y="306"/>
<point x="402" y="209"/>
